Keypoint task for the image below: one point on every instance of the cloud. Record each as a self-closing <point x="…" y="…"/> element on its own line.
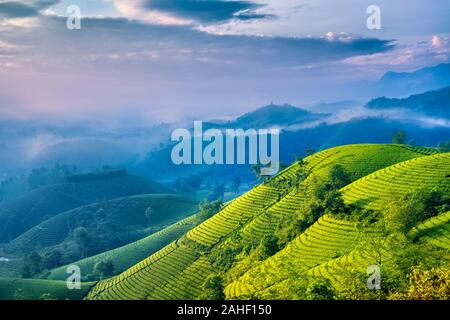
<point x="24" y="9"/>
<point x="16" y="9"/>
<point x="410" y="55"/>
<point x="189" y="11"/>
<point x="436" y="41"/>
<point x="115" y="65"/>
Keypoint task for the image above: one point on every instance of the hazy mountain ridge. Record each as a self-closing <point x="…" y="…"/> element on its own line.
<point x="433" y="103"/>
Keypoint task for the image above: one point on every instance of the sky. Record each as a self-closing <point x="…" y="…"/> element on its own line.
<point x="164" y="60"/>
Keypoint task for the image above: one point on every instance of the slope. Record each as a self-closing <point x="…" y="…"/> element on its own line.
<point x="108" y="225"/>
<point x="43" y="203"/>
<point x="34" y="289"/>
<point x="179" y="270"/>
<point x="328" y="242"/>
<point x="130" y="254"/>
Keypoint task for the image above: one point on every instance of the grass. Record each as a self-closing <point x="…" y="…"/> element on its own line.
<point x="33" y="289"/>
<point x="21" y="214"/>
<point x="374" y="191"/>
<point x="130" y="254"/>
<point x="110" y="224"/>
<point x="435" y="230"/>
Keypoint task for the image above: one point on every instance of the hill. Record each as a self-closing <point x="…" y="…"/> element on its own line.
<point x="34" y="289"/>
<point x="433" y="103"/>
<point x="23" y="213"/>
<point x="407" y="83"/>
<point x="108" y="225"/>
<point x="178" y="271"/>
<point x="130" y="254"/>
<point x="275" y="116"/>
<point x="329" y="243"/>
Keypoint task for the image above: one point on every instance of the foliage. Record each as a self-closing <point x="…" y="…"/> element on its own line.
<point x="209" y="208"/>
<point x="32" y="265"/>
<point x="213" y="288"/>
<point x="104" y="269"/>
<point x="444" y="146"/>
<point x="268" y="247"/>
<point x="407" y="211"/>
<point x="217" y="192"/>
<point x="52" y="259"/>
<point x="432" y="284"/>
<point x="235" y="184"/>
<point x="81" y="238"/>
<point x="320" y="289"/>
<point x="399" y="137"/>
<point x="47" y="296"/>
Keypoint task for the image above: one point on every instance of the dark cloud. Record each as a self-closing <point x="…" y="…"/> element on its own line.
<point x="15" y="9"/>
<point x="18" y="9"/>
<point x="115" y="63"/>
<point x="189" y="49"/>
<point x="208" y="11"/>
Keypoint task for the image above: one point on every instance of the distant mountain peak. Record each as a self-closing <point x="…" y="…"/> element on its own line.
<point x="276" y="115"/>
<point x="434" y="103"/>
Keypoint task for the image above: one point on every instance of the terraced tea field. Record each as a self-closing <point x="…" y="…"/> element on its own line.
<point x="128" y="255"/>
<point x="435" y="230"/>
<point x="174" y="262"/>
<point x="178" y="270"/>
<point x="372" y="191"/>
<point x="325" y="240"/>
<point x="376" y="190"/>
<point x="357" y="160"/>
<point x="34" y="289"/>
<point x="115" y="222"/>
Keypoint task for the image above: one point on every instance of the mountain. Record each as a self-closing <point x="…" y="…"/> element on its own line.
<point x="433" y="103"/>
<point x="25" y="212"/>
<point x="87" y="154"/>
<point x="406" y="83"/>
<point x="235" y="247"/>
<point x="128" y="255"/>
<point x="108" y="225"/>
<point x="223" y="244"/>
<point x="275" y="116"/>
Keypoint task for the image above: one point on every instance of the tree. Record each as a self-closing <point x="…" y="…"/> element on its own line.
<point x="444" y="146"/>
<point x="209" y="208"/>
<point x="235" y="184"/>
<point x="338" y="177"/>
<point x="104" y="269"/>
<point x="213" y="288"/>
<point x="32" y="265"/>
<point x="301" y="174"/>
<point x="81" y="238"/>
<point x="399" y="137"/>
<point x="19" y="295"/>
<point x="426" y="285"/>
<point x="310" y="152"/>
<point x="256" y="169"/>
<point x="52" y="259"/>
<point x="404" y="213"/>
<point x="218" y="192"/>
<point x="320" y="289"/>
<point x="268" y="247"/>
<point x="47" y="296"/>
